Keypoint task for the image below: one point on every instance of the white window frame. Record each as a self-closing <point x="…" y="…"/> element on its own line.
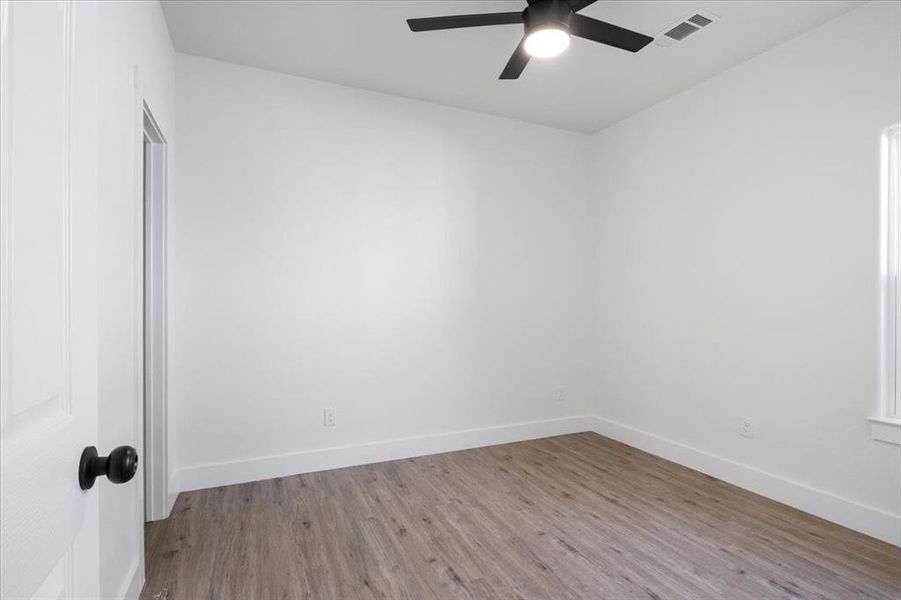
<point x="886" y="426"/>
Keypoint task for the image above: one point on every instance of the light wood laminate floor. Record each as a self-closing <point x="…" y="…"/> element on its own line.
<point x="575" y="516"/>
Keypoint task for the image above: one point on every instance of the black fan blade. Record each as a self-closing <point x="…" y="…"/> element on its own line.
<point x="458" y="21"/>
<point x="517" y="62"/>
<point x="605" y="33"/>
<point x="578" y="5"/>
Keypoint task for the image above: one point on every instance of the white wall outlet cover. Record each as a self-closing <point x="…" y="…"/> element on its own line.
<point x="746" y="428"/>
<point x="328" y="417"/>
<point x="561" y="393"/>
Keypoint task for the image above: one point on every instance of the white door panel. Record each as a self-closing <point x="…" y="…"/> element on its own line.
<point x="59" y="584"/>
<point x="48" y="280"/>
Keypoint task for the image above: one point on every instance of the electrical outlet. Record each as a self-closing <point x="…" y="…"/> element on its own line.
<point x="746" y="428"/>
<point x="328" y="417"/>
<point x="561" y="393"/>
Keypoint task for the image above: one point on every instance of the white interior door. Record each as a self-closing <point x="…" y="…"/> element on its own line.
<point x="48" y="303"/>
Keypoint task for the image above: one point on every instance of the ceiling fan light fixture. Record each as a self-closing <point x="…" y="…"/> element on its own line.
<point x="546" y="42"/>
<point x="547" y="26"/>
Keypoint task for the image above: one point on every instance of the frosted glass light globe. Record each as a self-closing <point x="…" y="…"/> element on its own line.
<point x="546" y="42"/>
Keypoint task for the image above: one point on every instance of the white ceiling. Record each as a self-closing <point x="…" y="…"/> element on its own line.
<point x="366" y="44"/>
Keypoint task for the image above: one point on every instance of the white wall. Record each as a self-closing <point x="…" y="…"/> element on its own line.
<point x="420" y="269"/>
<point x="737" y="260"/>
<point x="132" y="34"/>
<point x="423" y="269"/>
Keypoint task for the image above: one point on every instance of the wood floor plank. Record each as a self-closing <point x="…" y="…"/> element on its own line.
<point x="570" y="517"/>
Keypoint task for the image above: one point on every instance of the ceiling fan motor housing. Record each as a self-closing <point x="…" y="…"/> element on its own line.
<point x="547" y="13"/>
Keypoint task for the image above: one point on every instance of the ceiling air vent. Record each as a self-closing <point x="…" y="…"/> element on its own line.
<point x="683" y="28"/>
<point x="700" y="20"/>
<point x="681" y="31"/>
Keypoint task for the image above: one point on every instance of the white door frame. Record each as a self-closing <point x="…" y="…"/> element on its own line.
<point x="153" y="248"/>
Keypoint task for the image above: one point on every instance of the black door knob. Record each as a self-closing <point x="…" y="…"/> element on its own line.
<point x="120" y="466"/>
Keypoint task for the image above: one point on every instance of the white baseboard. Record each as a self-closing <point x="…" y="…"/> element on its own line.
<point x="170" y="503"/>
<point x="172" y="489"/>
<point x="873" y="522"/>
<point x="227" y="473"/>
<point x="131" y="587"/>
<point x="878" y="524"/>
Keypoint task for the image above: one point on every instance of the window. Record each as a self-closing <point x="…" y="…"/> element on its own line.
<point x="887" y="425"/>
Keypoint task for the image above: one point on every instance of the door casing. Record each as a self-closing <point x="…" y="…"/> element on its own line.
<point x="154" y="310"/>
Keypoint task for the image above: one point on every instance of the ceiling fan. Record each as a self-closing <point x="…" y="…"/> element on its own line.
<point x="548" y="26"/>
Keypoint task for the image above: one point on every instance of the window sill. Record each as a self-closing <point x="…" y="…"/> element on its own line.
<point x="886" y="429"/>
